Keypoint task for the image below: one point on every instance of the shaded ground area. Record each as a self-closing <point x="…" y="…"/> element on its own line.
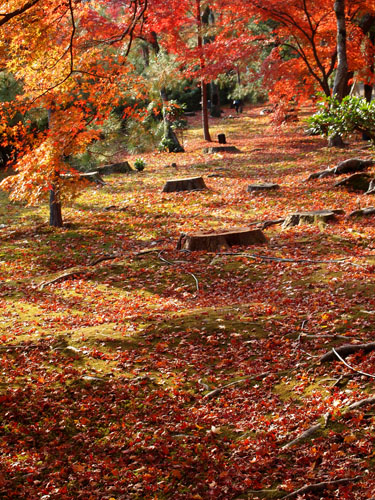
<point x="158" y="374"/>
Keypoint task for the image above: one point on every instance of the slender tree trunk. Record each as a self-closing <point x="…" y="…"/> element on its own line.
<point x="369" y="87"/>
<point x="55" y="217"/>
<point x="341" y="77"/>
<point x="208" y="18"/>
<point x="206" y="131"/>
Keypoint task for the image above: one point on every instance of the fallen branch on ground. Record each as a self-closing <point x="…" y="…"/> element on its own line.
<point x="360" y="403"/>
<point x="319" y="487"/>
<point x="145" y="252"/>
<point x="268" y="223"/>
<point x="75" y="271"/>
<point x="278" y="259"/>
<point x="346" y="350"/>
<point x="64" y="276"/>
<point x="18" y="346"/>
<point x="102" y="259"/>
<point x="319" y="425"/>
<point x="307" y="433"/>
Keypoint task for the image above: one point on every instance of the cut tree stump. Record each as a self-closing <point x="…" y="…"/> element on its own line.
<point x="190" y="184"/>
<point x="355" y="182"/>
<point x="312" y="217"/>
<point x="267" y="186"/>
<point x="115" y="168"/>
<point x="221" y="149"/>
<point x="214" y="242"/>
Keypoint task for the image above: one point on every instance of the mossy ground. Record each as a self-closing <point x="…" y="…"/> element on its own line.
<point x="171" y="326"/>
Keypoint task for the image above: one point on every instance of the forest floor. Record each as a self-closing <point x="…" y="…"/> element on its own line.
<point x="131" y="370"/>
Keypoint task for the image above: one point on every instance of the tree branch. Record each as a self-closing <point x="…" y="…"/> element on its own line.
<point x="17" y="12"/>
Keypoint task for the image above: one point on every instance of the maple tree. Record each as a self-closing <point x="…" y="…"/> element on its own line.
<point x="132" y="370"/>
<point x="64" y="54"/>
<point x="203" y="48"/>
<point x="304" y="56"/>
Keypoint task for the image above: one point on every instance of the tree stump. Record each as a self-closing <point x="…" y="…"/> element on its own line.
<point x="221" y="138"/>
<point x="221" y="149"/>
<point x="214" y="242"/>
<point x="355" y="182"/>
<point x="312" y="217"/>
<point x="267" y="186"/>
<point x="190" y="184"/>
<point x="115" y="168"/>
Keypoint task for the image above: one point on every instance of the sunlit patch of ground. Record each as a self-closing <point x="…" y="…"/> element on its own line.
<point x="108" y="368"/>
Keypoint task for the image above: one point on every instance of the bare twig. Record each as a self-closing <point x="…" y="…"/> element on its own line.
<point x="10" y="15"/>
<point x="177" y="262"/>
<point x="102" y="259"/>
<point x="351" y="367"/>
<point x="217" y="391"/>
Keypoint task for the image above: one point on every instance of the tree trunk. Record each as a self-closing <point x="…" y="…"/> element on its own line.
<point x="169" y="137"/>
<point x="341" y="77"/>
<point x="215" y="100"/>
<point x="206" y="131"/>
<point x="369" y="87"/>
<point x="208" y="18"/>
<point x="55" y="217"/>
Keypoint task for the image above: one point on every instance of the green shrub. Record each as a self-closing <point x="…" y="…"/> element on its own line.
<point x="342" y="118"/>
<point x="139" y="164"/>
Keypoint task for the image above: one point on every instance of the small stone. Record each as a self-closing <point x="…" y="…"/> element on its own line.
<point x="267" y="186"/>
<point x="221" y="149"/>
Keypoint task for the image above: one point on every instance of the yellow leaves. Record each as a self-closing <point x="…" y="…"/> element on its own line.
<point x="350" y="438"/>
<point x="78" y="468"/>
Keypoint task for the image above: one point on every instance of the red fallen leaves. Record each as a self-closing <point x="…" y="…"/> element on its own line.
<point x="140" y="427"/>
